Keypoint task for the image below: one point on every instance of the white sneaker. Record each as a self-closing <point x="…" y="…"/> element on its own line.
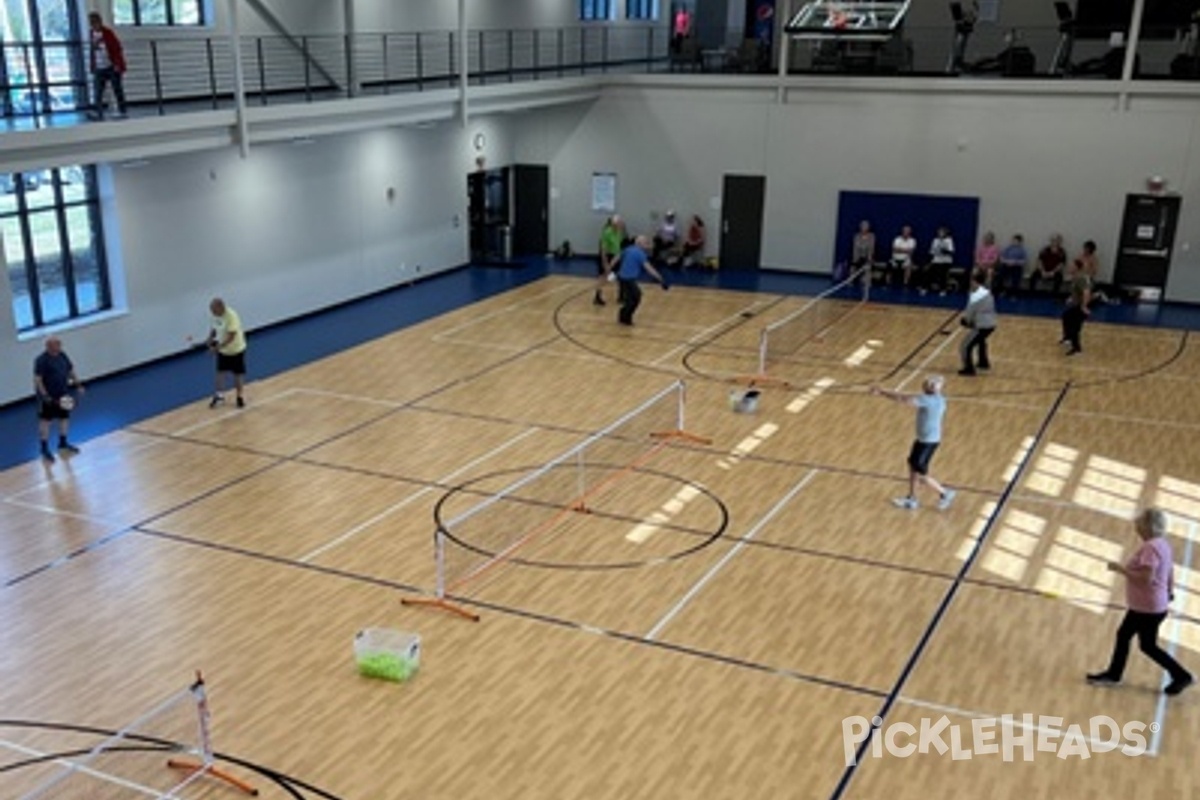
<point x="946" y="499"/>
<point x="909" y="503"/>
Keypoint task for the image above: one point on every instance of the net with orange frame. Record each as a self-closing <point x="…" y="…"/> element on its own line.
<point x="497" y="523"/>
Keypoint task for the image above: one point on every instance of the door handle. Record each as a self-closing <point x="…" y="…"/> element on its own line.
<point x="1132" y="251"/>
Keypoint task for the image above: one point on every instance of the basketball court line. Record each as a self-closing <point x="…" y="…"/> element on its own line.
<point x="1160" y="710"/>
<point x="357" y="529"/>
<point x="767" y="460"/>
<point x="711" y="330"/>
<point x="90" y="465"/>
<point x="665" y="620"/>
<point x="534" y="616"/>
<point x="76" y="767"/>
<point x="218" y="417"/>
<point x="951" y="593"/>
<point x="937" y="351"/>
<point x="446" y="334"/>
<point x="379" y="401"/>
<point x="937" y="331"/>
<point x="59" y="512"/>
<point x="1119" y="418"/>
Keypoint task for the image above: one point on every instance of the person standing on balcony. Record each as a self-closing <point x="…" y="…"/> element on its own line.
<point x="108" y="65"/>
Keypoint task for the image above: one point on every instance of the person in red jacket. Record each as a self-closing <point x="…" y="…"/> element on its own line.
<point x="108" y="65"/>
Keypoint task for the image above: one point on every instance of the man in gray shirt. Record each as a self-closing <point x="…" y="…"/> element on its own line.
<point x="979" y="318"/>
<point x="931" y="407"/>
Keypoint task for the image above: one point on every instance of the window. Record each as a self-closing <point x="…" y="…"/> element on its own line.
<point x="41" y="71"/>
<point x="159" y="12"/>
<point x="641" y="9"/>
<point x="595" y="9"/>
<point x="53" y="245"/>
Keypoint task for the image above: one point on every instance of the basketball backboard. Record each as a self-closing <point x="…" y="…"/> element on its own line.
<point x="837" y="19"/>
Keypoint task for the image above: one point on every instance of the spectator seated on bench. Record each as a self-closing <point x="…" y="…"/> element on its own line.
<point x="693" y="244"/>
<point x="666" y="242"/>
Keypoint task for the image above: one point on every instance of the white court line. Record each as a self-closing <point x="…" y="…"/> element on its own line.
<point x="758" y="526"/>
<point x="936" y="351"/>
<point x="342" y="396"/>
<point x="357" y="529"/>
<point x="152" y="439"/>
<point x="79" y="768"/>
<point x="184" y="431"/>
<point x="149" y="440"/>
<point x="1160" y="712"/>
<point x="1093" y="744"/>
<point x="58" y="512"/>
<point x="446" y="334"/>
<point x="710" y="329"/>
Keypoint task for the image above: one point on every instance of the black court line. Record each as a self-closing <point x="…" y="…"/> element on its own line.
<point x="291" y="785"/>
<point x="940" y="613"/>
<point x="534" y="616"/>
<point x="277" y="461"/>
<point x="568" y="336"/>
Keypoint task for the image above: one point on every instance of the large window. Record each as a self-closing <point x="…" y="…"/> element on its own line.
<point x="53" y="246"/>
<point x="41" y="71"/>
<point x="159" y="12"/>
<point x="641" y="9"/>
<point x="595" y="9"/>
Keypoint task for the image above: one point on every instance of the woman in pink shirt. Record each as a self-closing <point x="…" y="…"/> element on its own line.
<point x="987" y="255"/>
<point x="1149" y="589"/>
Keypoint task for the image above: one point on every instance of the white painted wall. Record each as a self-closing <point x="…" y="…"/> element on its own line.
<point x="290" y="230"/>
<point x="1038" y="165"/>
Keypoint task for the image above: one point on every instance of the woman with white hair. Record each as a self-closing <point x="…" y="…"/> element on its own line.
<point x="1149" y="589"/>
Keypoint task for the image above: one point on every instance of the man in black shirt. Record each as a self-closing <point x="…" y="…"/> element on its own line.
<point x="54" y="380"/>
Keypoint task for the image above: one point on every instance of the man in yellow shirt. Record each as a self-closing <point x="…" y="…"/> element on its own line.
<point x="228" y="341"/>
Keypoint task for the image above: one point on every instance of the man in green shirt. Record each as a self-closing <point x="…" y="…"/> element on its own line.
<point x="612" y="236"/>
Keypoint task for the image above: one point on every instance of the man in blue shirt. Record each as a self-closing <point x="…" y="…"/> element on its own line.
<point x="931" y="407"/>
<point x="1012" y="266"/>
<point x="53" y="380"/>
<point x="635" y="259"/>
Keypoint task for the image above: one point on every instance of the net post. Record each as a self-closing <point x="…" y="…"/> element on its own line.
<point x="680" y="433"/>
<point x="207" y="763"/>
<point x="439" y="600"/>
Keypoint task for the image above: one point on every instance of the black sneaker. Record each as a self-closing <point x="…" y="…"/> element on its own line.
<point x="1074" y="351"/>
<point x="1178" y="685"/>
<point x="47" y="455"/>
<point x="965" y="371"/>
<point x="241" y="403"/>
<point x="216" y="401"/>
<point x="1102" y="679"/>
<point x="66" y="447"/>
<point x="598" y="300"/>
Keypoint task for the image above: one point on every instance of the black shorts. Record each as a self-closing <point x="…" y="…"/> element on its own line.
<point x="920" y="455"/>
<point x="235" y="364"/>
<point x="50" y="409"/>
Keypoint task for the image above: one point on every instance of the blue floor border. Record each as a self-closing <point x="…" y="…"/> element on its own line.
<point x="132" y="395"/>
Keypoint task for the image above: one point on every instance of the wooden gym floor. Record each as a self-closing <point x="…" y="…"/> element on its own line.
<point x="254" y="544"/>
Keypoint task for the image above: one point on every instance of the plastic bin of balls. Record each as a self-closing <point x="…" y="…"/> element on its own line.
<point x="386" y="654"/>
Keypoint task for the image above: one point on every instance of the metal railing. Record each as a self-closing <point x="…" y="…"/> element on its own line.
<point x="191" y="71"/>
